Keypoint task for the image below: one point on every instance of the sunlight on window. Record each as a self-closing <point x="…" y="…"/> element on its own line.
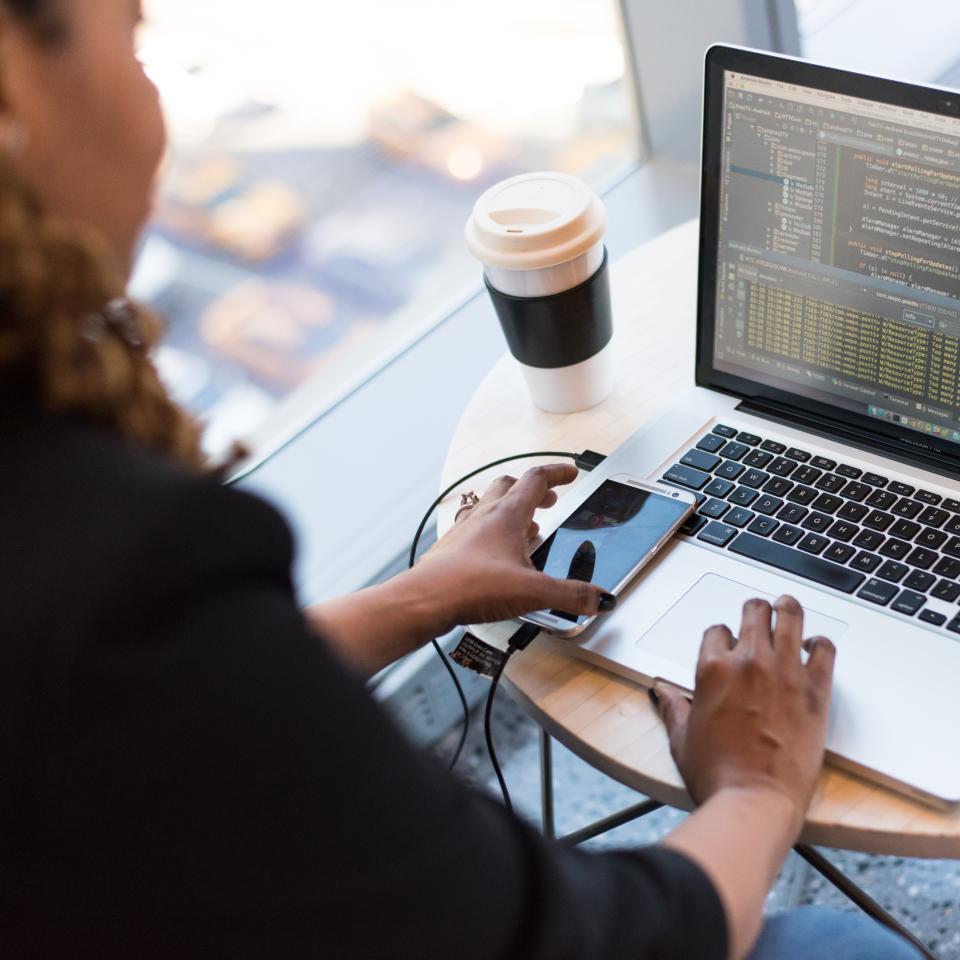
<point x="323" y="160"/>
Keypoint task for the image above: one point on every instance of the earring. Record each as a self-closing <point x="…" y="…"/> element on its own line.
<point x="13" y="138"/>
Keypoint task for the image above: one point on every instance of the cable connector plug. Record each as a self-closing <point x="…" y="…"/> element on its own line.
<point x="523" y="637"/>
<point x="588" y="460"/>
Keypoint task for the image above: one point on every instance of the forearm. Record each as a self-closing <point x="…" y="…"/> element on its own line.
<point x="373" y="628"/>
<point x="740" y="839"/>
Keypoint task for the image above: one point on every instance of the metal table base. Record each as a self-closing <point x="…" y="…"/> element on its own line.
<point x="812" y="856"/>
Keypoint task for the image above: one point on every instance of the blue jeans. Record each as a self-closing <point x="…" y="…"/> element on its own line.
<point x="814" y="932"/>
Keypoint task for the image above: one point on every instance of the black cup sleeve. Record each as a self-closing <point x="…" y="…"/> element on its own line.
<point x="559" y="330"/>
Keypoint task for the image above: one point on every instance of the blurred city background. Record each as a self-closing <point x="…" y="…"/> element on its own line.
<point x="325" y="155"/>
<point x="324" y="159"/>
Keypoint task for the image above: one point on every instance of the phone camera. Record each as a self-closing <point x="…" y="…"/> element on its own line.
<point x="949" y="106"/>
<point x="675" y="494"/>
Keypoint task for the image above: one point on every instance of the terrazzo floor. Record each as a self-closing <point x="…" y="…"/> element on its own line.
<point x="924" y="895"/>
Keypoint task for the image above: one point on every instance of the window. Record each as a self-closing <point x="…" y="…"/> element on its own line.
<point x="915" y="41"/>
<point x="324" y="158"/>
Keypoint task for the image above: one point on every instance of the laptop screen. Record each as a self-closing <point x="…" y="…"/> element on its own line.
<point x="838" y="253"/>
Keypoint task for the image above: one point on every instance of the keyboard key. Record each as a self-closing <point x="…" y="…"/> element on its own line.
<point x="952" y="505"/>
<point x="877" y="520"/>
<point x="839" y="552"/>
<point x="778" y="487"/>
<point x="767" y="505"/>
<point x="831" y="483"/>
<point x="783" y="467"/>
<point x="774" y="447"/>
<point x="952" y="547"/>
<point x="893" y="571"/>
<point x="758" y="459"/>
<point x="947" y="567"/>
<point x="867" y="562"/>
<point x="881" y="499"/>
<point x="869" y="540"/>
<point x="743" y="496"/>
<point x="817" y="522"/>
<point x="822" y="463"/>
<point x="693" y="524"/>
<point x="802" y="495"/>
<point x="729" y="470"/>
<point x="923" y="581"/>
<point x="901" y="489"/>
<point x="794" y="454"/>
<point x="792" y="513"/>
<point x="750" y="439"/>
<point x="686" y="476"/>
<point x="724" y="431"/>
<point x="874" y="479"/>
<point x="806" y="475"/>
<point x="734" y="450"/>
<point x="908" y="602"/>
<point x="718" y="487"/>
<point x="763" y="526"/>
<point x="952" y="525"/>
<point x="714" y="509"/>
<point x="905" y="529"/>
<point x="754" y="478"/>
<point x="932" y="616"/>
<point x="843" y="531"/>
<point x="877" y="592"/>
<point x="812" y="543"/>
<point x="719" y="534"/>
<point x="739" y="517"/>
<point x="895" y="549"/>
<point x="700" y="459"/>
<point x="854" y="512"/>
<point x="928" y="496"/>
<point x="856" y="491"/>
<point x="946" y="590"/>
<point x="827" y="503"/>
<point x="787" y="534"/>
<point x="851" y="473"/>
<point x="954" y="625"/>
<point x="793" y="561"/>
<point x="922" y="558"/>
<point x="931" y="539"/>
<point x="933" y="517"/>
<point x="907" y="508"/>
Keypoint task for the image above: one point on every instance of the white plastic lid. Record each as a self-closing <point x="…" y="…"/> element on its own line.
<point x="535" y="220"/>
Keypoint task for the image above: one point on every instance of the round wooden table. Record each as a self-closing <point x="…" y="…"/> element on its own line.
<point x="607" y="720"/>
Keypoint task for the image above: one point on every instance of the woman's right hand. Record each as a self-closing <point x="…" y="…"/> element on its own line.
<point x="759" y="715"/>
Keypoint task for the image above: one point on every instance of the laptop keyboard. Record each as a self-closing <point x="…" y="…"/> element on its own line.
<point x="833" y="523"/>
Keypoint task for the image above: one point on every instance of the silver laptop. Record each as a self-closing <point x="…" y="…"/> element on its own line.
<point x="823" y="438"/>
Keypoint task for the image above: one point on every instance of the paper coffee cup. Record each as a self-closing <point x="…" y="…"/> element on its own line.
<point x="539" y="237"/>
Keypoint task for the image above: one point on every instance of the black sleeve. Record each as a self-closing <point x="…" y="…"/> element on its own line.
<point x="220" y="786"/>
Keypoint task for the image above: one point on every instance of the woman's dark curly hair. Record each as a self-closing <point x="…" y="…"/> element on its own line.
<point x="54" y="276"/>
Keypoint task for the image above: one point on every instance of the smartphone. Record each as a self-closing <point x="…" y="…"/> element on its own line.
<point x="607" y="540"/>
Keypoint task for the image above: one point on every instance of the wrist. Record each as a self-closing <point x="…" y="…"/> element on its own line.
<point x="419" y="603"/>
<point x="767" y="803"/>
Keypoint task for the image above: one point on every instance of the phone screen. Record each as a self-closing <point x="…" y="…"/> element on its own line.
<point x="607" y="536"/>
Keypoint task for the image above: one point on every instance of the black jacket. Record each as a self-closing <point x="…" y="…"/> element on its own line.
<point x="186" y="771"/>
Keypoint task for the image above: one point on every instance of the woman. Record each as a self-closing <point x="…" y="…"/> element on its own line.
<point x="191" y="766"/>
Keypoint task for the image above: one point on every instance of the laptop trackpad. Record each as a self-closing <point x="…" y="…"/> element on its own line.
<point x="714" y="599"/>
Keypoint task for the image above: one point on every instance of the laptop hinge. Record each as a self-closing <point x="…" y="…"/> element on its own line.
<point x="941" y="463"/>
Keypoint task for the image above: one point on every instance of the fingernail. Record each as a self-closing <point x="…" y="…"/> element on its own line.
<point x="654" y="697"/>
<point x="607" y="602"/>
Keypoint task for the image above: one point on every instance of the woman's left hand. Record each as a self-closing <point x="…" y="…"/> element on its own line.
<point x="480" y="571"/>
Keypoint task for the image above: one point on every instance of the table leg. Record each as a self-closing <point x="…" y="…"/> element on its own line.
<point x="591" y="830"/>
<point x="854" y="893"/>
<point x="546" y="785"/>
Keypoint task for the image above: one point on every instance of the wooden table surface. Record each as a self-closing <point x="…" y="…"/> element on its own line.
<point x="603" y="718"/>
